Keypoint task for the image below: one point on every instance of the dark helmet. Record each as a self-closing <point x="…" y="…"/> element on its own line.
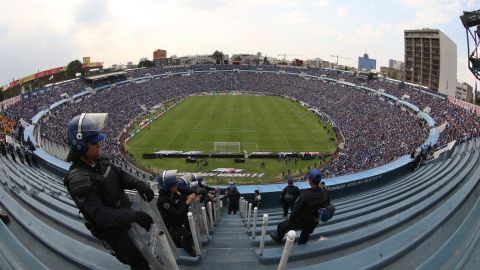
<point x="232" y="187"/>
<point x="315" y="175"/>
<point x="181" y="183"/>
<point x="185" y="180"/>
<point x="167" y="180"/>
<point x="85" y="128"/>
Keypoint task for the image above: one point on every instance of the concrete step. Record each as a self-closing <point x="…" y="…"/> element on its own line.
<point x="229" y="242"/>
<point x="223" y="234"/>
<point x="230" y="229"/>
<point x="231" y="237"/>
<point x="233" y="266"/>
<point x="230" y="255"/>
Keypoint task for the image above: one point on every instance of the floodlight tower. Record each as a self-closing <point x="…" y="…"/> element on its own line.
<point x="469" y="20"/>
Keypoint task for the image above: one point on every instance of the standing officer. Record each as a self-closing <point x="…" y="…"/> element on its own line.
<point x="173" y="207"/>
<point x="3" y="148"/>
<point x="289" y="195"/>
<point x="257" y="202"/>
<point x="97" y="188"/>
<point x="233" y="199"/>
<point x="305" y="210"/>
<point x="11" y="149"/>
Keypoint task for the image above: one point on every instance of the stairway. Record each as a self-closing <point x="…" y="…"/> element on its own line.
<point x="230" y="247"/>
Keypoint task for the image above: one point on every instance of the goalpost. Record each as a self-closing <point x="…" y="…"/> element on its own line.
<point x="227" y="147"/>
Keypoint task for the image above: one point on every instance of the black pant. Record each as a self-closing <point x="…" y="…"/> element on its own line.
<point x="232" y="206"/>
<point x="287" y="206"/>
<point x="306" y="227"/>
<point x="125" y="250"/>
<point x="182" y="237"/>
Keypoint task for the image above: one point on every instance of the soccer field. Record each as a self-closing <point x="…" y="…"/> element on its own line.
<point x="258" y="123"/>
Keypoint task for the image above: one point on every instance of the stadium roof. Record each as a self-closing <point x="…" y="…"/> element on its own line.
<point x="104" y="76"/>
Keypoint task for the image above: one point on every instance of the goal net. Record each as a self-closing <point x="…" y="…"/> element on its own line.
<point x="227" y="147"/>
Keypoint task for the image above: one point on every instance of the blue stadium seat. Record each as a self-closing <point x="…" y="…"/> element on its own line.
<point x="14" y="255"/>
<point x="71" y="249"/>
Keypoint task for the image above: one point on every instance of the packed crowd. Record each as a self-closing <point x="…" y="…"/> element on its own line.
<point x="460" y="124"/>
<point x="386" y="132"/>
<point x="396" y="130"/>
<point x="34" y="102"/>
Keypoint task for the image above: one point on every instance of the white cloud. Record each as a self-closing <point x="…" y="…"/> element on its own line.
<point x="297" y="17"/>
<point x="91" y="12"/>
<point x="372" y="32"/>
<point x="434" y="12"/>
<point x="50" y="33"/>
<point x="342" y="11"/>
<point x="321" y="3"/>
<point x="204" y="4"/>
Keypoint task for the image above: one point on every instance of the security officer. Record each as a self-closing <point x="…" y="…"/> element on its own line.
<point x="257" y="202"/>
<point x="289" y="195"/>
<point x="97" y="188"/>
<point x="233" y="199"/>
<point x="305" y="210"/>
<point x="173" y="207"/>
<point x="11" y="149"/>
<point x="3" y="148"/>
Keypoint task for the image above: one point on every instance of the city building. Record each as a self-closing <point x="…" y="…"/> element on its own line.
<point x="464" y="92"/>
<point x="431" y="60"/>
<point x="396" y="64"/>
<point x="243" y="58"/>
<point x="366" y="63"/>
<point x="396" y="74"/>
<point x="160" y="57"/>
<point x="159" y="54"/>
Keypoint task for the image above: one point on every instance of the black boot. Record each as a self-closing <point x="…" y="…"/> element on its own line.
<point x="275" y="237"/>
<point x="190" y="251"/>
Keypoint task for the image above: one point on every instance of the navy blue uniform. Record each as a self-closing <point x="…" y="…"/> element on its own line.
<point x="99" y="193"/>
<point x="289" y="196"/>
<point x="305" y="213"/>
<point x="233" y="200"/>
<point x="174" y="210"/>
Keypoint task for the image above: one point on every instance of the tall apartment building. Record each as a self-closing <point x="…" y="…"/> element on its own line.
<point x="431" y="60"/>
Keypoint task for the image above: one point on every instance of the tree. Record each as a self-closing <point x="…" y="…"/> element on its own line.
<point x="146" y="63"/>
<point x="218" y="56"/>
<point x="265" y="60"/>
<point x="74" y="67"/>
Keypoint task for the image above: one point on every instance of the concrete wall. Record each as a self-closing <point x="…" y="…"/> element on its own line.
<point x="448" y="66"/>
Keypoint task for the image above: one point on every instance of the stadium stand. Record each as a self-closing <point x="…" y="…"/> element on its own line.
<point x="435" y="210"/>
<point x="427" y="219"/>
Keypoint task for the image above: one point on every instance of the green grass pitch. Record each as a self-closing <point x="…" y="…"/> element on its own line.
<point x="259" y="123"/>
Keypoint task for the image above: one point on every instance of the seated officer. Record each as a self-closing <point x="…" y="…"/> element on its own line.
<point x="304" y="215"/>
<point x="97" y="188"/>
<point x="173" y="207"/>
